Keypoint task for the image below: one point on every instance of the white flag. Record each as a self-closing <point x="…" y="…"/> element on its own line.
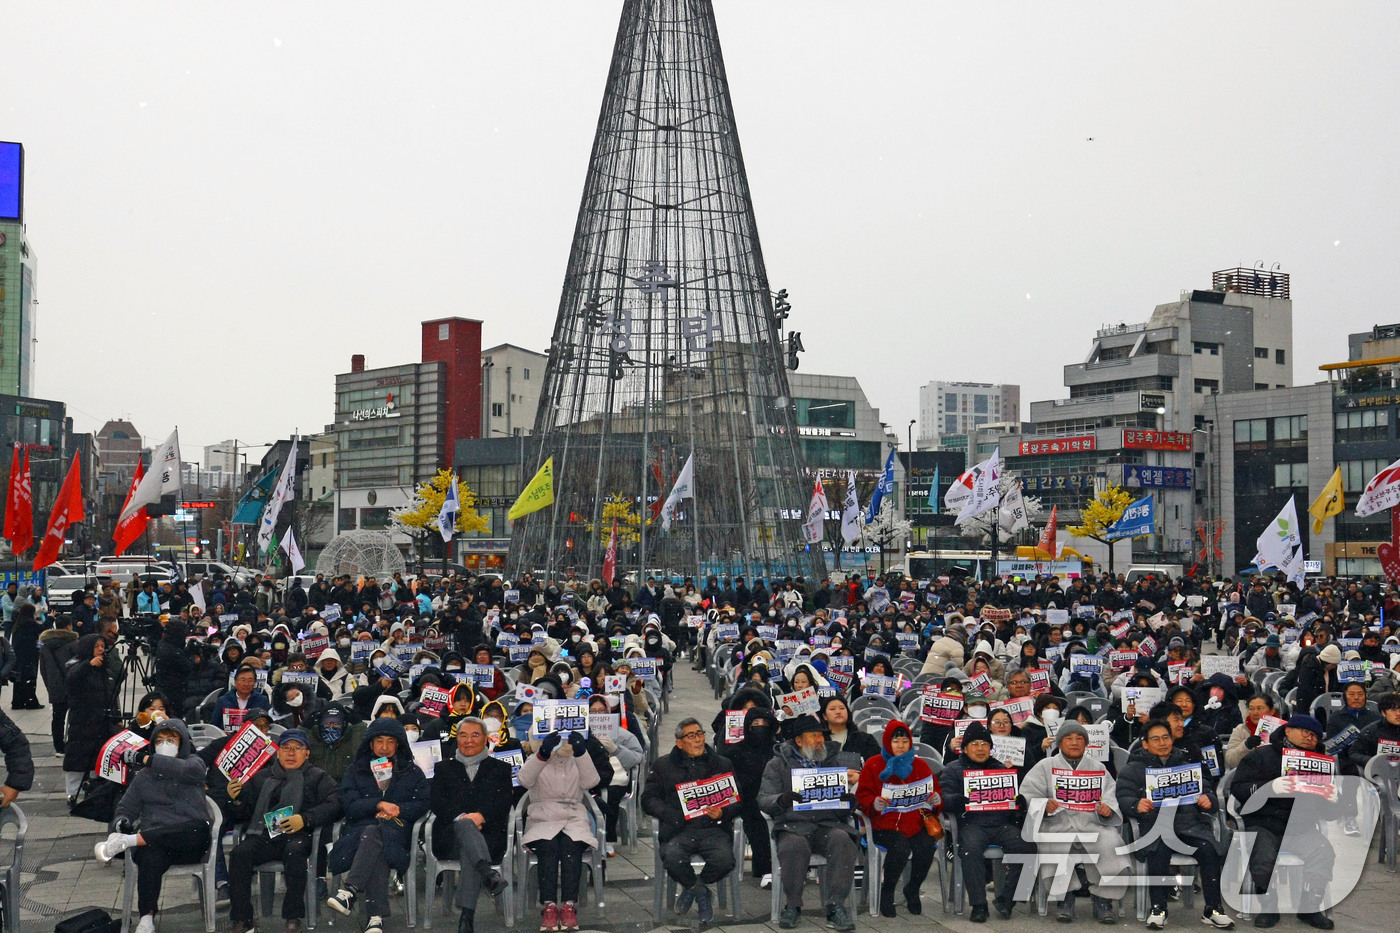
<point x="197" y="597"/>
<point x="451" y="505"/>
<point x="289" y="545"/>
<point x="958" y="493"/>
<point x="986" y="489"/>
<point x="282" y="492"/>
<point x="1381" y="493"/>
<point x="162" y="479"/>
<point x="1280" y="545"/>
<point x="814" y="526"/>
<point x="850" y="511"/>
<point x="1012" y="517"/>
<point x="684" y="489"/>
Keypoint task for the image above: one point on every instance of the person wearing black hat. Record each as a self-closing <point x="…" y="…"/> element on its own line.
<point x="800" y="833"/>
<point x="979" y="829"/>
<point x="288" y="781"/>
<point x="1285" y="821"/>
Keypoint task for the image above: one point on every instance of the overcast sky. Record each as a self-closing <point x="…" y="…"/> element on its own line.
<point x="228" y="200"/>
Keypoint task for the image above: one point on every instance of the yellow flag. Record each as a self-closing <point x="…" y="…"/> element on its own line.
<point x="1331" y="502"/>
<point x="538" y="494"/>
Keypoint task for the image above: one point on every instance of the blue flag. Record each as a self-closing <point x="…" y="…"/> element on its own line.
<point x="1139" y="518"/>
<point x="933" y="492"/>
<point x="885" y="486"/>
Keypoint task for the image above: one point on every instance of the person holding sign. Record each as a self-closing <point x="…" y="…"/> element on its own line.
<point x="281" y="804"/>
<point x="472" y="797"/>
<point x="384" y="793"/>
<point x="166" y="801"/>
<point x="815" y="818"/>
<point x="1168" y="793"/>
<point x="980" y="792"/>
<point x="1245" y="738"/>
<point x="694" y="796"/>
<point x="1381" y="737"/>
<point x="557" y="823"/>
<point x="243" y="696"/>
<point x="898" y="792"/>
<point x="1285" y="819"/>
<point x="1073" y="806"/>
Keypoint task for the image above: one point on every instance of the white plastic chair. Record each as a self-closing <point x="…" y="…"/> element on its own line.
<point x="203" y="873"/>
<point x="818" y="862"/>
<point x="451" y="867"/>
<point x="202" y="734"/>
<point x="526" y="858"/>
<point x="664" y="886"/>
<point x="267" y="881"/>
<point x="13" y="815"/>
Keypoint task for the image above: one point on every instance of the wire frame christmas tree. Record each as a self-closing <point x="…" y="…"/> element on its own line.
<point x="667" y="340"/>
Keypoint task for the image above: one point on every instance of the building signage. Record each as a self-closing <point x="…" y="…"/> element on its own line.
<point x="1057" y="445"/>
<point x="1151" y="402"/>
<point x="1076" y="481"/>
<point x="1370" y="401"/>
<point x="1155" y="477"/>
<point x="367" y="414"/>
<point x="1157" y="440"/>
<point x="824" y="432"/>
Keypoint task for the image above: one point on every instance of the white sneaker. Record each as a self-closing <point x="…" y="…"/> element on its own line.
<point x="375" y="924"/>
<point x="1157" y="919"/>
<point x="110" y="848"/>
<point x="1217" y="919"/>
<point x="612" y="852"/>
<point x="1350" y="827"/>
<point x="766" y="881"/>
<point x="147" y="924"/>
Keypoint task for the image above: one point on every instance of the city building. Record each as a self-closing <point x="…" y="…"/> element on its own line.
<point x="18" y="275"/>
<point x="511" y="378"/>
<point x="395" y="426"/>
<point x="1137" y="407"/>
<point x="959" y="408"/>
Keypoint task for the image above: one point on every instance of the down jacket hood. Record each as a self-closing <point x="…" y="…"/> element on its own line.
<point x="177" y="726"/>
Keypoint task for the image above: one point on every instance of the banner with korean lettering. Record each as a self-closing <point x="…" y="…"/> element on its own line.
<point x="820" y="788"/>
<point x="1137" y="439"/>
<point x="1169" y="785"/>
<point x="1156" y="477"/>
<point x="698" y="796"/>
<point x="1310" y="772"/>
<point x="905" y="798"/>
<point x="1056" y="445"/>
<point x="245" y="754"/>
<point x="1139" y="518"/>
<point x="1077" y="790"/>
<point x="988" y="789"/>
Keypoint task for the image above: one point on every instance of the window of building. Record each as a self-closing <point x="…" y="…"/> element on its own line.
<point x="1207" y="386"/>
<point x="1260" y="386"/>
<point x="979" y="404"/>
<point x="825" y="413"/>
<point x="950" y="424"/>
<point x="1261" y="353"/>
<point x="1290" y="474"/>
<point x="443" y="331"/>
<point x="977" y="422"/>
<point x="1357" y="473"/>
<point x="527" y="374"/>
<point x="950" y="401"/>
<point x="498" y="409"/>
<point x="1291" y="428"/>
<point x="347" y="520"/>
<point x="374" y="519"/>
<point x="1355" y="427"/>
<point x="1278" y="357"/>
<point x="1206" y="349"/>
<point x="1252" y="433"/>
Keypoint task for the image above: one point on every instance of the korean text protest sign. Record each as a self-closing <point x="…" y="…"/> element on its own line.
<point x="559" y="716"/>
<point x="989" y="789"/>
<point x="1167" y="786"/>
<point x="109" y="761"/>
<point x="819" y="788"/>
<point x="1077" y="790"/>
<point x="698" y="796"/>
<point x="245" y="754"/>
<point x="906" y="797"/>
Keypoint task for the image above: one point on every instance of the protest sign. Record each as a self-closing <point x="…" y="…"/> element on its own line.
<point x="1342" y="740"/>
<point x="880" y="685"/>
<point x="361" y="650"/>
<point x="1122" y="660"/>
<point x="331" y="613"/>
<point x="604" y="725"/>
<point x="1351" y="672"/>
<point x="1389" y="748"/>
<point x="245" y="754"/>
<point x="1020" y="709"/>
<point x="734" y="726"/>
<point x="1178" y="672"/>
<point x="1267" y="725"/>
<point x="1057" y="617"/>
<point x="698" y="796"/>
<point x="982" y="684"/>
<point x="940" y="708"/>
<point x="259" y="678"/>
<point x="313" y="647"/>
<point x="768" y="633"/>
<point x="960" y="726"/>
<point x="1138" y="700"/>
<point x="1210" y="756"/>
<point x="1226" y="664"/>
<point x="506" y="639"/>
<point x="643" y="668"/>
<point x="435" y="643"/>
<point x="559" y="716"/>
<point x="1054" y="652"/>
<point x="695" y="622"/>
<point x="905" y="798"/>
<point x="1009" y="749"/>
<point x="1085" y="665"/>
<point x="727" y="633"/>
<point x="1312" y="772"/>
<point x="110" y="766"/>
<point x="1178" y="783"/>
<point x="517" y="653"/>
<point x="233" y="718"/>
<point x="482" y="675"/>
<point x="309" y="679"/>
<point x="616" y="684"/>
<point x="1040" y="681"/>
<point x="820" y="788"/>
<point x="1077" y="790"/>
<point x="1099" y="740"/>
<point x="787" y="649"/>
<point x="908" y="641"/>
<point x="988" y="789"/>
<point x="391" y="667"/>
<point x="798" y="703"/>
<point x="426" y="755"/>
<point x="434" y="701"/>
<point x="515" y="758"/>
<point x="843" y="663"/>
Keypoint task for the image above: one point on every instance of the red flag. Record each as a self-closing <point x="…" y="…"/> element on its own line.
<point x="67" y="509"/>
<point x="1047" y="537"/>
<point x="131" y="527"/>
<point x="610" y="559"/>
<point x="19" y="507"/>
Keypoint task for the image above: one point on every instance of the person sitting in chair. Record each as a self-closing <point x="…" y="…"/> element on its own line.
<point x="471" y="798"/>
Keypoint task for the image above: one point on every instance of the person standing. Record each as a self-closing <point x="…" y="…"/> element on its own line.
<point x="55" y="649"/>
<point x="26" y="647"/>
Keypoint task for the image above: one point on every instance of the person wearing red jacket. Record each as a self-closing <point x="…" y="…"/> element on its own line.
<point x="898" y="822"/>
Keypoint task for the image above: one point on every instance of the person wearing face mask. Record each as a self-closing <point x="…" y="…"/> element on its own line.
<point x="624" y="753"/>
<point x="292" y="706"/>
<point x="335" y="678"/>
<point x="1038" y="730"/>
<point x="334" y="737"/>
<point x="1059" y="829"/>
<point x="750" y="756"/>
<point x="520" y="719"/>
<point x="800" y="833"/>
<point x="166" y="798"/>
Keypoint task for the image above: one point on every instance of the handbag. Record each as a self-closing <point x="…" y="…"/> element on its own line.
<point x="933" y="826"/>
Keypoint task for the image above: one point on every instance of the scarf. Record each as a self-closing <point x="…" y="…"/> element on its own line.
<point x="898" y="766"/>
<point x="289" y="786"/>
<point x="472" y="762"/>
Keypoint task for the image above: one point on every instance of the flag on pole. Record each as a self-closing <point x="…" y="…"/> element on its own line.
<point x="163" y="480"/>
<point x="1280" y="545"/>
<point x="197" y="597"/>
<point x="610" y="558"/>
<point x="282" y="493"/>
<point x="538" y="493"/>
<point x="815" y="524"/>
<point x="67" y="509"/>
<point x="961" y="490"/>
<point x="289" y="544"/>
<point x="1012" y="517"/>
<point x="850" y="511"/>
<point x="273" y="555"/>
<point x="986" y="489"/>
<point x="882" y="489"/>
<point x="1331" y="502"/>
<point x="250" y="506"/>
<point x="1047" y="542"/>
<point x="933" y="491"/>
<point x="1381" y="493"/>
<point x="19" y="507"/>
<point x="451" y="505"/>
<point x="684" y="489"/>
<point x="131" y="527"/>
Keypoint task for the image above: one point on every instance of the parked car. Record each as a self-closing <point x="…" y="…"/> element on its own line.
<point x="61" y="589"/>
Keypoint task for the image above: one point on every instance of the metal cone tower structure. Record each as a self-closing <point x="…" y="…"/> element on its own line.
<point x="667" y="341"/>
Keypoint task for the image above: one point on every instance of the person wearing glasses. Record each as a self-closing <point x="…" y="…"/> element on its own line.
<point x="707" y="833"/>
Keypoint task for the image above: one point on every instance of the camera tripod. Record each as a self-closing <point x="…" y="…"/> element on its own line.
<point x="134" y="666"/>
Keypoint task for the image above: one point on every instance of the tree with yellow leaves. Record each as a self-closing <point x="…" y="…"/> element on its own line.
<point x="1099" y="515"/>
<point x="629" y="521"/>
<point x="420" y="515"/>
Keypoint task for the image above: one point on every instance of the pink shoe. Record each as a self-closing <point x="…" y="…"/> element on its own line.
<point x="568" y="917"/>
<point x="549" y="919"/>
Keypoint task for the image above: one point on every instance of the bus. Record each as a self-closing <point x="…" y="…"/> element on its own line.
<point x="929" y="565"/>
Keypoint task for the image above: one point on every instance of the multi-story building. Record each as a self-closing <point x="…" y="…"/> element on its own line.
<point x="959" y="408"/>
<point x="18" y="275"/>
<point x="511" y="378"/>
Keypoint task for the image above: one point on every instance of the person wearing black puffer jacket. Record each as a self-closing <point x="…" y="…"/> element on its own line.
<point x="1387" y="729"/>
<point x="173" y="666"/>
<point x="750" y="756"/>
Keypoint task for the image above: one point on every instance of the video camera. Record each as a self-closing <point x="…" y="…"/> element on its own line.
<point x="144" y="626"/>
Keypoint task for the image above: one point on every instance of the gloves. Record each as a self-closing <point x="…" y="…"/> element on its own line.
<point x="880" y="804"/>
<point x="550" y="743"/>
<point x="794" y="798"/>
<point x="133" y="755"/>
<point x="935" y="801"/>
<point x="608" y="744"/>
<point x="577" y="741"/>
<point x="1253" y="742"/>
<point x="123" y="825"/>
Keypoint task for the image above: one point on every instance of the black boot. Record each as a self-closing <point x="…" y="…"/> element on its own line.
<point x="465" y="923"/>
<point x="491" y="879"/>
<point x="887" y="899"/>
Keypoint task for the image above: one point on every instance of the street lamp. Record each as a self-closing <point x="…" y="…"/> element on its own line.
<point x="233" y="486"/>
